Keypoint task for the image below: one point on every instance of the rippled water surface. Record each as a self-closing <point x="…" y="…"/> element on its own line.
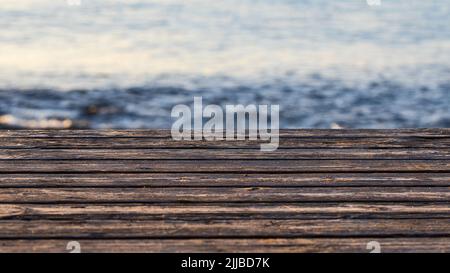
<point x="125" y="64"/>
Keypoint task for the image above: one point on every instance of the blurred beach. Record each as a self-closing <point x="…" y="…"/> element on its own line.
<point x="125" y="64"/>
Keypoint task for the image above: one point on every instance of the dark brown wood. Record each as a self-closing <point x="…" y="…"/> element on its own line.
<point x="141" y="191"/>
<point x="127" y="180"/>
<point x="217" y="211"/>
<point x="222" y="166"/>
<point x="164" y="133"/>
<point x="219" y="194"/>
<point x="223" y="228"/>
<point x="211" y="154"/>
<point x="295" y="245"/>
<point x="284" y="143"/>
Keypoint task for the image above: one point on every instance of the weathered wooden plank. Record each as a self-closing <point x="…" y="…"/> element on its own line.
<point x="143" y="143"/>
<point x="91" y="185"/>
<point x="224" y="211"/>
<point x="164" y="133"/>
<point x="150" y="195"/>
<point x="222" y="228"/>
<point x="202" y="154"/>
<point x="223" y="166"/>
<point x="272" y="245"/>
<point x="225" y="180"/>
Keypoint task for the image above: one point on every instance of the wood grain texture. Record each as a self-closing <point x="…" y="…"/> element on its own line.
<point x="284" y="143"/>
<point x="216" y="211"/>
<point x="164" y="133"/>
<point x="141" y="191"/>
<point x="127" y="180"/>
<point x="273" y="245"/>
<point x="215" y="154"/>
<point x="258" y="228"/>
<point x="253" y="194"/>
<point x="222" y="166"/>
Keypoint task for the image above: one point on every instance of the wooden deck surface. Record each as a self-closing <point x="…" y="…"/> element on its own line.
<point x="139" y="190"/>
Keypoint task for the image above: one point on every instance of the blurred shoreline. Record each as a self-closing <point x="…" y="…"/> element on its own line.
<point x="316" y="103"/>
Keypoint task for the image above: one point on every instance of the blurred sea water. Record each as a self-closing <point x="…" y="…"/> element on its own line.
<point x="125" y="64"/>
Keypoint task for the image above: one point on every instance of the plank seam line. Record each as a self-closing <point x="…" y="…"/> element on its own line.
<point x="420" y="201"/>
<point x="230" y="172"/>
<point x="255" y="187"/>
<point x="325" y="236"/>
<point x="261" y="204"/>
<point x="324" y="217"/>
<point x="443" y="160"/>
<point x="218" y="148"/>
<point x="283" y="135"/>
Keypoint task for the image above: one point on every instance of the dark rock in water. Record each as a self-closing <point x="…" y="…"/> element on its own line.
<point x="8" y="127"/>
<point x="80" y="124"/>
<point x="101" y="109"/>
